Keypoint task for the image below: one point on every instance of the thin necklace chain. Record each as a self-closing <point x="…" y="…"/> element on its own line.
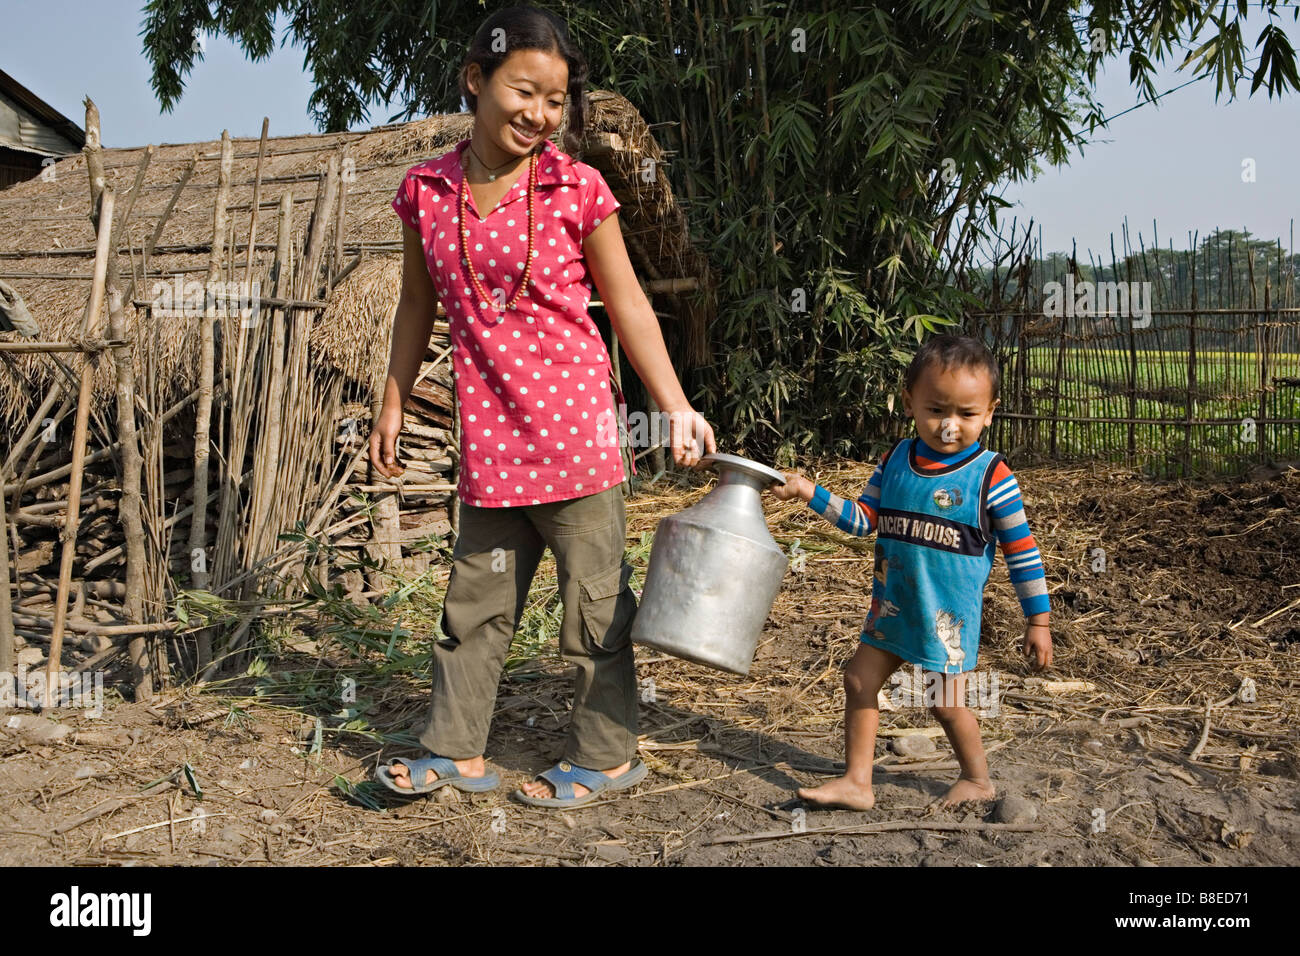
<point x="490" y="170"/>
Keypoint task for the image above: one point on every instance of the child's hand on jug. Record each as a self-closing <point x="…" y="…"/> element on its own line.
<point x="796" y="486"/>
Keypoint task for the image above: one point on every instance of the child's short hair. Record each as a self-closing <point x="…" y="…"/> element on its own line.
<point x="949" y="350"/>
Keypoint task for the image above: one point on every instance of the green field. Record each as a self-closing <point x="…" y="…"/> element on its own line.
<point x="1094" y="384"/>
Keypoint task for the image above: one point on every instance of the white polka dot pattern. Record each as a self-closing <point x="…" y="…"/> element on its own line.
<point x="521" y="401"/>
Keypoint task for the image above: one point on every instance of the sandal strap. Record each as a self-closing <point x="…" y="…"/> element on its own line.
<point x="565" y="774"/>
<point x="442" y="766"/>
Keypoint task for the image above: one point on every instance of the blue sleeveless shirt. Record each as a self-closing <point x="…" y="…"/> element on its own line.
<point x="934" y="552"/>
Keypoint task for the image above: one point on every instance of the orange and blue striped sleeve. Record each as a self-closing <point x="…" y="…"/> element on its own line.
<point x="1006" y="513"/>
<point x="856" y="517"/>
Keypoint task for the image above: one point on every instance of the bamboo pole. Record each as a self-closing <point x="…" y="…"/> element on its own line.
<point x="308" y="278"/>
<point x="64" y="470"/>
<point x="69" y="535"/>
<point x="29" y="432"/>
<point x="348" y="168"/>
<point x="1191" y="371"/>
<point x="1259" y="325"/>
<point x="7" y="650"/>
<point x="305" y="427"/>
<point x="256" y="203"/>
<point x="1132" y="361"/>
<point x="129" y="501"/>
<point x="1264" y="388"/>
<point x="167" y="211"/>
<point x="90" y="345"/>
<point x="267" y="471"/>
<point x="203" y="414"/>
<point x="1060" y="363"/>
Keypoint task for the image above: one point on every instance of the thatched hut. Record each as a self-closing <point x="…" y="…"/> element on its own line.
<point x="297" y="389"/>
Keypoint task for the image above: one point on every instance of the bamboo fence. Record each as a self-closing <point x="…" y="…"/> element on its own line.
<point x="1192" y="368"/>
<point x="213" y="446"/>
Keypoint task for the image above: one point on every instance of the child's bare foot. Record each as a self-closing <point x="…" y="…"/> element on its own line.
<point x="964" y="790"/>
<point x="840" y="792"/>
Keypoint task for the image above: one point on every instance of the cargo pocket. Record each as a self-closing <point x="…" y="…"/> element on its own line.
<point x="608" y="608"/>
<point x="449" y="640"/>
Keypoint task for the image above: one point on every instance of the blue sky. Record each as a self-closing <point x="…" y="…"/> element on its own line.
<point x="1179" y="164"/>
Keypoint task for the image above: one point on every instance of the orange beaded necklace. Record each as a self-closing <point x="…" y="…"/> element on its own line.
<point x="483" y="296"/>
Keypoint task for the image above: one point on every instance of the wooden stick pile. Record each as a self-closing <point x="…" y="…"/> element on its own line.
<point x="271" y="441"/>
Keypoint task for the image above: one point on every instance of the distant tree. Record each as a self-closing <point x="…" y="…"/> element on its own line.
<point x="853" y="152"/>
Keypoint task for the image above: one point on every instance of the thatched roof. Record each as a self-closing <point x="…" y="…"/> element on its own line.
<point x="47" y="248"/>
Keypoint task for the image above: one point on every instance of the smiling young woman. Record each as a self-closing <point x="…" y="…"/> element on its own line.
<point x="514" y="237"/>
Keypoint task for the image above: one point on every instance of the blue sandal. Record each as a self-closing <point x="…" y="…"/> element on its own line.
<point x="564" y="775"/>
<point x="443" y="767"/>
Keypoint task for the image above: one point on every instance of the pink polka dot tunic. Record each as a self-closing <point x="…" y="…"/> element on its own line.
<point x="533" y="382"/>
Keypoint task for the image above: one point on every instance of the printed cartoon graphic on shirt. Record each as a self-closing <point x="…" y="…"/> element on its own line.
<point x="882" y="566"/>
<point x="948" y="497"/>
<point x="949" y="630"/>
<point x="881" y="607"/>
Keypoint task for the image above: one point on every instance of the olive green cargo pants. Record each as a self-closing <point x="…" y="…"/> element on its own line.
<point x="495" y="556"/>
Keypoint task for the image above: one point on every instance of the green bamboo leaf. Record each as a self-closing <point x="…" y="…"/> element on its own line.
<point x="192" y="778"/>
<point x="882" y="143"/>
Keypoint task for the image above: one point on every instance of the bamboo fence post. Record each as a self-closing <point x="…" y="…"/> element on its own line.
<point x="139" y="646"/>
<point x="1114" y="363"/>
<point x="94" y="165"/>
<point x="1114" y="366"/>
<point x="308" y="279"/>
<point x="267" y="470"/>
<point x="203" y="412"/>
<point x="257" y="195"/>
<point x="7" y="652"/>
<point x="226" y="363"/>
<point x="1020" y="371"/>
<point x="1060" y="362"/>
<point x="1191" y="372"/>
<point x="1132" y="363"/>
<point x="1259" y="321"/>
<point x="69" y="534"/>
<point x="301" y="402"/>
<point x="1264" y="369"/>
<point x="348" y="173"/>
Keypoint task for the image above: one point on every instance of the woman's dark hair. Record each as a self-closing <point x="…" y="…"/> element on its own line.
<point x="950" y="350"/>
<point x="528" y="28"/>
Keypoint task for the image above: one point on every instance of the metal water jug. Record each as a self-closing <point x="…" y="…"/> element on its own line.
<point x="714" y="572"/>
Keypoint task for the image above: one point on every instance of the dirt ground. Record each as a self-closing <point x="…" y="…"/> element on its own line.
<point x="1182" y="748"/>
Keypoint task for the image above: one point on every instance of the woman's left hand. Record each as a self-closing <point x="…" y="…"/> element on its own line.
<point x="692" y="437"/>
